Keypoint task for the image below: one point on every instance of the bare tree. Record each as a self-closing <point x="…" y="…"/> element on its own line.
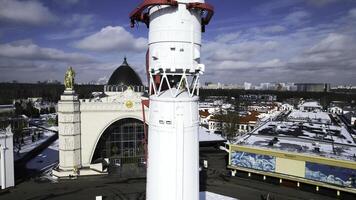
<point x="228" y="123"/>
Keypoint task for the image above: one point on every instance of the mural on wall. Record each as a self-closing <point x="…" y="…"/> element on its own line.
<point x="330" y="174"/>
<point x="253" y="161"/>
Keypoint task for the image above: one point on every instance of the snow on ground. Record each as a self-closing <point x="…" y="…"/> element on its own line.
<point x="212" y="196"/>
<point x="53" y="128"/>
<point x="264" y="117"/>
<point x="29" y="145"/>
<point x="346" y="134"/>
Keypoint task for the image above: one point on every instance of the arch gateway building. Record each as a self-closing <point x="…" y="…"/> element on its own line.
<point x="105" y="133"/>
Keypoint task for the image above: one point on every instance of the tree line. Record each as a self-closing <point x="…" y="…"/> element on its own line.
<point x="52" y="92"/>
<point x="324" y="97"/>
<point x="48" y="92"/>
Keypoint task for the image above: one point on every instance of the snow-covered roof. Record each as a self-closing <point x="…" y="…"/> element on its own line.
<point x="303" y="138"/>
<point x="206" y="136"/>
<point x="310" y="104"/>
<point x="316" y="116"/>
<point x="7" y="106"/>
<point x="286" y="104"/>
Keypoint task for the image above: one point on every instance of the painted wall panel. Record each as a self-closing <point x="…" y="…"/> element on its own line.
<point x="253" y="161"/>
<point x="330" y="174"/>
<point x="290" y="167"/>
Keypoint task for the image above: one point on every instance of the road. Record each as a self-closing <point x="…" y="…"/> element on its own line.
<point x="347" y="125"/>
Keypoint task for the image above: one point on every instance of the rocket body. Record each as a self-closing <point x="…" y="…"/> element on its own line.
<point x="174" y="38"/>
<point x="173" y="148"/>
<point x="173" y="143"/>
<point x="173" y="66"/>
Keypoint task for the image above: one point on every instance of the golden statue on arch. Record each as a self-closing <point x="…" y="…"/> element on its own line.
<point x="69" y="79"/>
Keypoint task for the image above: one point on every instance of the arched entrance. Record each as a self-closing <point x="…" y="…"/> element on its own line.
<point x="121" y="147"/>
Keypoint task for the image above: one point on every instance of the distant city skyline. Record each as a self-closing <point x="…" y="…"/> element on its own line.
<point x="312" y="41"/>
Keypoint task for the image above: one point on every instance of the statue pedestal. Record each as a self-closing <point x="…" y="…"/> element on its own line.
<point x="69" y="95"/>
<point x="69" y="131"/>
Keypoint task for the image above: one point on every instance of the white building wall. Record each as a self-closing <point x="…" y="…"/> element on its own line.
<point x="287" y="107"/>
<point x="82" y="123"/>
<point x="336" y="110"/>
<point x="6" y="160"/>
<point x="96" y="117"/>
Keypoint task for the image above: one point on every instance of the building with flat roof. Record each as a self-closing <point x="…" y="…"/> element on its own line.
<point x="310" y="106"/>
<point x="306" y="149"/>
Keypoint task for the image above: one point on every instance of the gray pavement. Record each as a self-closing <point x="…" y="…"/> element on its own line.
<point x="214" y="179"/>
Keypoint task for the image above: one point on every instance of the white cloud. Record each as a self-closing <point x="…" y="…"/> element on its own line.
<point x="333" y="42"/>
<point x="81" y="25"/>
<point x="112" y="39"/>
<point x="228" y="37"/>
<point x="81" y="20"/>
<point x="25" y="12"/>
<point x="322" y="53"/>
<point x="76" y="33"/>
<point x="352" y="13"/>
<point x="271" y="63"/>
<point x="297" y="17"/>
<point x="274" y="29"/>
<point x="237" y="50"/>
<point x="269" y="7"/>
<point x="334" y="51"/>
<point x="27" y="50"/>
<point x="103" y="80"/>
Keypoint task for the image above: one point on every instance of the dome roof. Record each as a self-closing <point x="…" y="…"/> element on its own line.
<point x="125" y="75"/>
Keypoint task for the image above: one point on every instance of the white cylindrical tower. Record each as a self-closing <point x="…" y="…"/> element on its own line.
<point x="173" y="67"/>
<point x="173" y="148"/>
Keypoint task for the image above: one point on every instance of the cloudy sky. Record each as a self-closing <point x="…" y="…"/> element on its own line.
<point x="255" y="40"/>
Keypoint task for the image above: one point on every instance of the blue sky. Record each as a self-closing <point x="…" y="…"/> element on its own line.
<point x="255" y="40"/>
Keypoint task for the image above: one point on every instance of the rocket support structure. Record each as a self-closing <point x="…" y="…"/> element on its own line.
<point x="173" y="69"/>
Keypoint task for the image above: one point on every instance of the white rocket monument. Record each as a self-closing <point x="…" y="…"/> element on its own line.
<point x="173" y="67"/>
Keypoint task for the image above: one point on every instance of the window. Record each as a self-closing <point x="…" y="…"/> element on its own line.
<point x="121" y="140"/>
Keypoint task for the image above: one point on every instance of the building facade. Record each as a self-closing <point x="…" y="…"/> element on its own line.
<point x="6" y="159"/>
<point x="105" y="132"/>
<point x="321" y="151"/>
